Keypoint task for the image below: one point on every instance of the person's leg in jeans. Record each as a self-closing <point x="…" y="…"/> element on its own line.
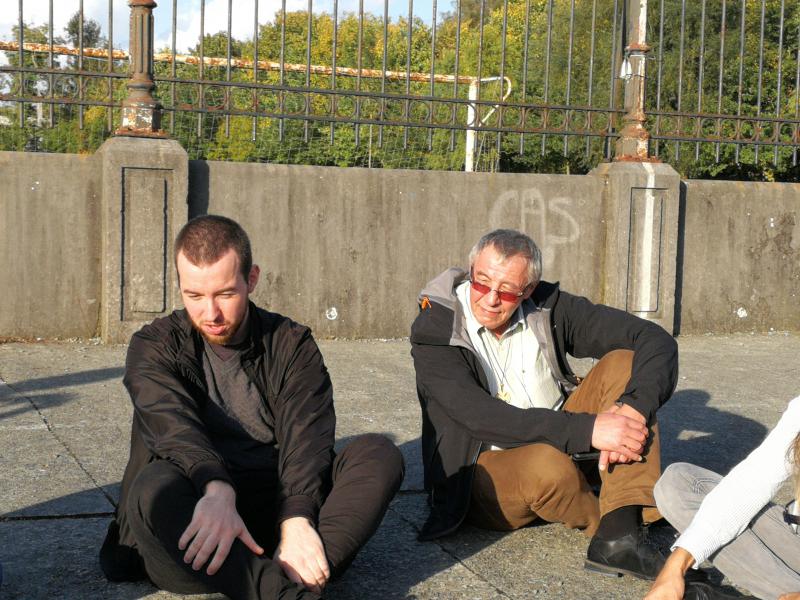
<point x="161" y="503"/>
<point x="764" y="558"/>
<point x="366" y="475"/>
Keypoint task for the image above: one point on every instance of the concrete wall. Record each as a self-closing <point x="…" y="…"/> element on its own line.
<point x="347" y="250"/>
<point x="741" y="257"/>
<point x="49" y="245"/>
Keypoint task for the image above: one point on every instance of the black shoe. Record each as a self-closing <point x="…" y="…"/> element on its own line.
<point x="631" y="554"/>
<point x="706" y="591"/>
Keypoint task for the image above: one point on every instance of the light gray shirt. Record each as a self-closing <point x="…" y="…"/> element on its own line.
<point x="515" y="366"/>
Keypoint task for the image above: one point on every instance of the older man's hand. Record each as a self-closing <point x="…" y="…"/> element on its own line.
<point x="619" y="438"/>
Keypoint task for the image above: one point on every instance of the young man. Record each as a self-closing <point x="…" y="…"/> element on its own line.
<point x="232" y="484"/>
<point x="502" y="412"/>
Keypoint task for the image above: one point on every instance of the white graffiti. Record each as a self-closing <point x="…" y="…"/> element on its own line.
<point x="331" y="314"/>
<point x="548" y="221"/>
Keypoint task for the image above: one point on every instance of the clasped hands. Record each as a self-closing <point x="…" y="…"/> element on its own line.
<point x="620" y="433"/>
<point x="216" y="524"/>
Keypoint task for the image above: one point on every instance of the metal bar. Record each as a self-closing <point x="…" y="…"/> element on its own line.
<point x="228" y="51"/>
<point x="433" y="73"/>
<point x="569" y="70"/>
<point x="21" y="58"/>
<point x="660" y="73"/>
<point x="525" y="70"/>
<point x="723" y="26"/>
<point x="680" y="73"/>
<point x="80" y="62"/>
<point x="455" y="71"/>
<point x="547" y="64"/>
<point x="741" y="71"/>
<point x="383" y="67"/>
<point x="173" y="67"/>
<point x="591" y="74"/>
<point x="796" y="97"/>
<point x="700" y="64"/>
<point x="237" y="63"/>
<point x="254" y="124"/>
<point x="309" y="27"/>
<point x="613" y="77"/>
<point x="502" y="73"/>
<point x="110" y="64"/>
<point x="201" y="89"/>
<point x="760" y="70"/>
<point x="281" y="124"/>
<point x="408" y="68"/>
<point x="780" y="82"/>
<point x="359" y="61"/>
<point x="50" y="79"/>
<point x="335" y="43"/>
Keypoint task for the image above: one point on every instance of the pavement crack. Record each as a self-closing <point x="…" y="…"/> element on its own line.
<point x="451" y="554"/>
<point x="58" y="438"/>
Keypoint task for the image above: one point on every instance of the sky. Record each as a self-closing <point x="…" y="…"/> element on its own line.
<point x="36" y="12"/>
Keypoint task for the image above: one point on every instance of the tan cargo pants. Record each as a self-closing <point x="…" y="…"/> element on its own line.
<point x="513" y="487"/>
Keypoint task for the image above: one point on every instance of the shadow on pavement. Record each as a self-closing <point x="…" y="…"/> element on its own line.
<point x="692" y="431"/>
<point x="22" y="398"/>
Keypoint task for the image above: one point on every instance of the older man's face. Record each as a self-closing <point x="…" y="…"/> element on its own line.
<point x="215" y="295"/>
<point x="509" y="275"/>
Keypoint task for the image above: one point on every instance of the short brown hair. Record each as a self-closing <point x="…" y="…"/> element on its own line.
<point x="204" y="240"/>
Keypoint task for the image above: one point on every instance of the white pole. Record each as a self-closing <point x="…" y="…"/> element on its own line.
<point x="472" y="123"/>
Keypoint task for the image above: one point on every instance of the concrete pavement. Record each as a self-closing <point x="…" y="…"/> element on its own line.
<point x="65" y="422"/>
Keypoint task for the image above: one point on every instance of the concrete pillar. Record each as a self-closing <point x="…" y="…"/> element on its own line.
<point x="641" y="205"/>
<point x="145" y="186"/>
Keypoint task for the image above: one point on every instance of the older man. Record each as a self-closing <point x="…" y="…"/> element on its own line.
<point x="505" y="421"/>
<point x="232" y="456"/>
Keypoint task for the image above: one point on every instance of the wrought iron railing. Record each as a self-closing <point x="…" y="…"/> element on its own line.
<point x="508" y="84"/>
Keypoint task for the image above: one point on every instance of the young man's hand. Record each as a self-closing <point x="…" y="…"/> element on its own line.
<point x="215" y="525"/>
<point x="301" y="555"/>
<point x="790" y="596"/>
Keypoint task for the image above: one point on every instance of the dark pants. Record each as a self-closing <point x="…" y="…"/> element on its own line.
<point x="366" y="475"/>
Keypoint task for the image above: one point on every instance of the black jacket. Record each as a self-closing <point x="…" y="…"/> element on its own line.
<point x="164" y="375"/>
<point x="459" y="414"/>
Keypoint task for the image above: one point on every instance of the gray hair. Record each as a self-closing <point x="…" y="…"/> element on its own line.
<point x="508" y="243"/>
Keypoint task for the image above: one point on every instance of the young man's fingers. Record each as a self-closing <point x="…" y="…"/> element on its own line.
<point x="194" y="547"/>
<point x="248" y="541"/>
<point x="190" y="531"/>
<point x="220" y="555"/>
<point x="205" y="552"/>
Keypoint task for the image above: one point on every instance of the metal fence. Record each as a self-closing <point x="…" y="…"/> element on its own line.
<point x="488" y="84"/>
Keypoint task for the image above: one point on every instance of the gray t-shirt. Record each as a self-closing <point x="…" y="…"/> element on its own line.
<point x="239" y="423"/>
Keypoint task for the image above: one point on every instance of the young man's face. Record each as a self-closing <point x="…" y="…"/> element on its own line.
<point x="215" y="295"/>
<point x="509" y="275"/>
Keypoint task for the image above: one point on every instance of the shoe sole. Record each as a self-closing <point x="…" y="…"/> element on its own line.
<point x="608" y="571"/>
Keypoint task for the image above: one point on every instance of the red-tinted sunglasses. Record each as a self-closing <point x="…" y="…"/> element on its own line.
<point x="504" y="296"/>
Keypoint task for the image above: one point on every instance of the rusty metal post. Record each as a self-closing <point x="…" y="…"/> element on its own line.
<point x="632" y="144"/>
<point x="141" y="113"/>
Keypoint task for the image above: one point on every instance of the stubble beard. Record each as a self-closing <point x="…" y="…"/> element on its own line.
<point x="220" y="340"/>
